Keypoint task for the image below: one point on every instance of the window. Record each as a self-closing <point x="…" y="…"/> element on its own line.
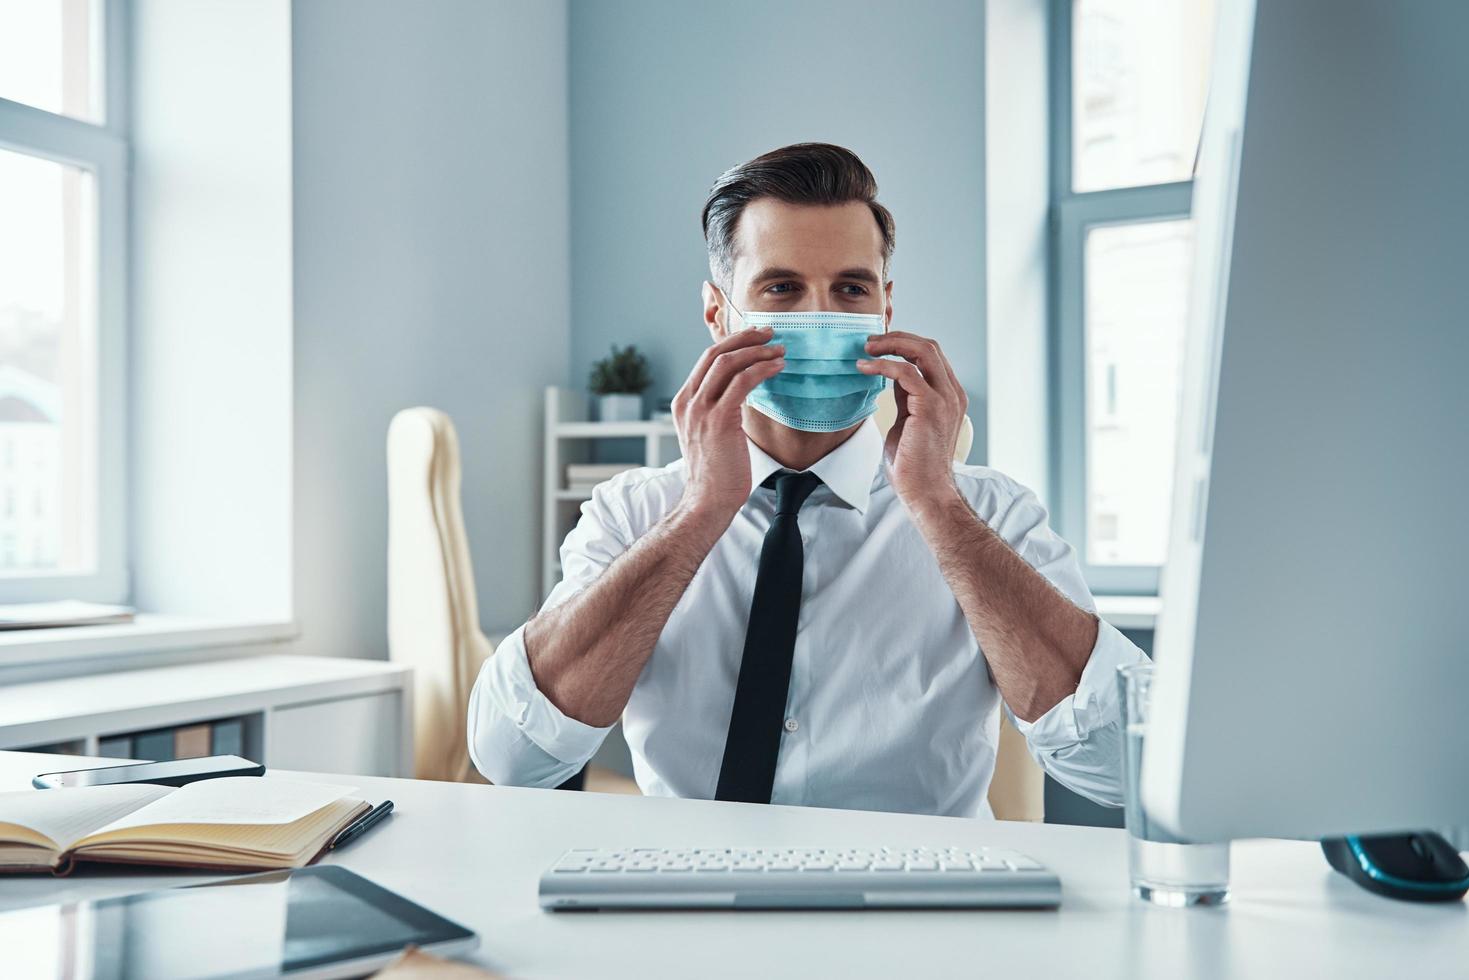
<point x="1129" y="79"/>
<point x="63" y="232"/>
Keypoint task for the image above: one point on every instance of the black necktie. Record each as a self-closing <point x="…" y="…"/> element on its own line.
<point x="748" y="771"/>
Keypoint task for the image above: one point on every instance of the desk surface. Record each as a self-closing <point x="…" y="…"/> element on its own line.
<point x="474" y="854"/>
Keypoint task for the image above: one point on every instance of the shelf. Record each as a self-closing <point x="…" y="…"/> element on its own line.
<point x="571" y="438"/>
<point x="1129" y="612"/>
<point x="612" y="430"/>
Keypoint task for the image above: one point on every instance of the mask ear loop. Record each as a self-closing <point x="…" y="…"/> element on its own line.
<point x="731" y="305"/>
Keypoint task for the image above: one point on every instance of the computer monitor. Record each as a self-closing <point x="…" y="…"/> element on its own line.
<point x="1313" y="646"/>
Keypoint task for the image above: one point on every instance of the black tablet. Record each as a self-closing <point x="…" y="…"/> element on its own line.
<point x="316" y="922"/>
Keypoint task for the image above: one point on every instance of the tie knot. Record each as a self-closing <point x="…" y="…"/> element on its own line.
<point x="791" y="490"/>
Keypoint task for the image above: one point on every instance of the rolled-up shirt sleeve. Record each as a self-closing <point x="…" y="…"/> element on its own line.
<point x="517" y="737"/>
<point x="1079" y="740"/>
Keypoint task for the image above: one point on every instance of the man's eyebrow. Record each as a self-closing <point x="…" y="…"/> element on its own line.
<point x="857" y="273"/>
<point x="776" y="272"/>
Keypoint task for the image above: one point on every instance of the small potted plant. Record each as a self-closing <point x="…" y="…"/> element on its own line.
<point x="619" y="381"/>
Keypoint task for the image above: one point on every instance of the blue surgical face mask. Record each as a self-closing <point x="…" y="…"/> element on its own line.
<point x="820" y="388"/>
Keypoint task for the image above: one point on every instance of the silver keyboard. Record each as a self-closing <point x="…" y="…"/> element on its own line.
<point x="798" y="877"/>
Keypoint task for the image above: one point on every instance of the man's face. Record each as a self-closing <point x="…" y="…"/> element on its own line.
<point x="795" y="257"/>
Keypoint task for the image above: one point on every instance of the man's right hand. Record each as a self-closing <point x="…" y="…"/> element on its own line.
<point x="706" y="411"/>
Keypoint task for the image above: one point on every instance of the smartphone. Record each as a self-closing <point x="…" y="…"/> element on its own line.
<point x="175" y="773"/>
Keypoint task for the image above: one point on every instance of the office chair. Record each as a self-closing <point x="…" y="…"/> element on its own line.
<point x="433" y="613"/>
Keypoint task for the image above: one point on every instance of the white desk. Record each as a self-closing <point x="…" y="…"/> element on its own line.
<point x="474" y="854"/>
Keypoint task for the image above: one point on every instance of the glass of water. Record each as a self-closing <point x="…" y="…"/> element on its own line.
<point x="1165" y="869"/>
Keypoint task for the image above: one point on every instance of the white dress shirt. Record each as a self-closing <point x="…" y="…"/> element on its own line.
<point x="891" y="704"/>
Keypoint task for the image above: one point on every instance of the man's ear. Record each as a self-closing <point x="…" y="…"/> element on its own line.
<point x="716" y="313"/>
<point x="887" y="313"/>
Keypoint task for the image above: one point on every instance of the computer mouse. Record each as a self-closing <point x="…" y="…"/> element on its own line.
<point x="1416" y="867"/>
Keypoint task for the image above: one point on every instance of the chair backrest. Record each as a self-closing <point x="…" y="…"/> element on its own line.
<point x="1017" y="791"/>
<point x="433" y="615"/>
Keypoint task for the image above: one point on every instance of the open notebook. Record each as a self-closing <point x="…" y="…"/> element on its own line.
<point x="231" y="823"/>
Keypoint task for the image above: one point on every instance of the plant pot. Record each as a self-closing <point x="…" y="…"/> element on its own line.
<point x="620" y="408"/>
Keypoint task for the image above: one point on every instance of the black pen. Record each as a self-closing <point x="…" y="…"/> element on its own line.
<point x="362" y="824"/>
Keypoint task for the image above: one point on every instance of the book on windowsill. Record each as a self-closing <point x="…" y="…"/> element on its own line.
<point x="234" y="823"/>
<point x="68" y="612"/>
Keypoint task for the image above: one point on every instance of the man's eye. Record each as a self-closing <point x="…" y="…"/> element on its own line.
<point x="781" y="287"/>
<point x="853" y="289"/>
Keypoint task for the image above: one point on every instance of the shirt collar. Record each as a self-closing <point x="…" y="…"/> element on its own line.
<point x="847" y="470"/>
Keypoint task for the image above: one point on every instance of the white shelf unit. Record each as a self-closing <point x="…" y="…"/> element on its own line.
<point x="571" y="437"/>
<point x="318" y="714"/>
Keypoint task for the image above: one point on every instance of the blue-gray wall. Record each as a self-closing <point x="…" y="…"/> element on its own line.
<point x="665" y="95"/>
<point x="431" y="268"/>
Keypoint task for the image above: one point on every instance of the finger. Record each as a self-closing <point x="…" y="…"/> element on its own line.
<point x="936" y="350"/>
<point x="735" y="341"/>
<point x="743" y="383"/>
<point x="731" y="363"/>
<point x="921" y="351"/>
<point x="903" y="374"/>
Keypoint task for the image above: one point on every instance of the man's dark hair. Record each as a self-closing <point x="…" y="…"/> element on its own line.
<point x="802" y="173"/>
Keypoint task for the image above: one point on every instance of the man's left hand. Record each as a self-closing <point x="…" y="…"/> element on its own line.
<point x="931" y="406"/>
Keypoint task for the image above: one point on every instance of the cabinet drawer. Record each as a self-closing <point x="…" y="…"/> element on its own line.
<point x="357" y="735"/>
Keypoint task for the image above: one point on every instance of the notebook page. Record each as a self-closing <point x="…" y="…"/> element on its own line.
<point x="235" y="800"/>
<point x="225" y="843"/>
<point x="64" y="815"/>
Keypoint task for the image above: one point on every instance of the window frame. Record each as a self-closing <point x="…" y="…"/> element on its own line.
<point x="103" y="149"/>
<point x="1071" y="216"/>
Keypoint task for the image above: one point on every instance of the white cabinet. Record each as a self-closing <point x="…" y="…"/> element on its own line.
<point x="320" y="714"/>
<point x="358" y="735"/>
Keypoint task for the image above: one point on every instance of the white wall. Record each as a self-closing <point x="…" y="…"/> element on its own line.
<point x="431" y="268"/>
<point x="210" y="330"/>
<point x="1017" y="201"/>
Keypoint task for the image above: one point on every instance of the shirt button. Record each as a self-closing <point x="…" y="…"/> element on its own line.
<point x="792" y="724"/>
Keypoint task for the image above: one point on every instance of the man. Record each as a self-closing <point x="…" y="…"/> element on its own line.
<point x="799" y="611"/>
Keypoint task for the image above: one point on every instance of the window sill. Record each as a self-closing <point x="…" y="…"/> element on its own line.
<point x="1130" y="612"/>
<point x="148" y="633"/>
